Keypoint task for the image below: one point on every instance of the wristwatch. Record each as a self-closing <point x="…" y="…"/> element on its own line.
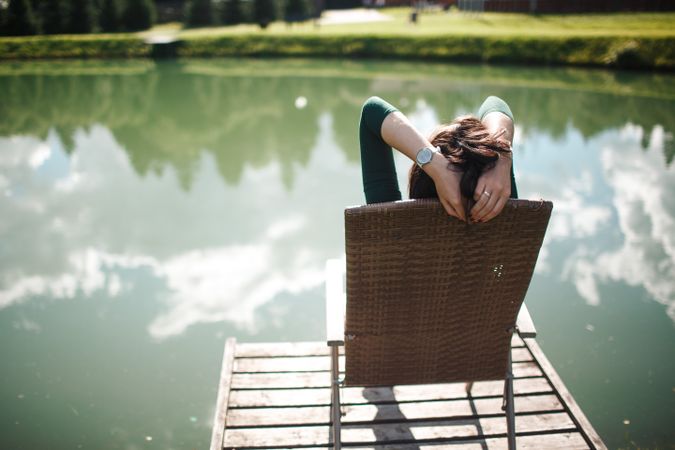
<point x="425" y="155"/>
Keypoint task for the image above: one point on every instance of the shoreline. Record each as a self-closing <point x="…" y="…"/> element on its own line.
<point x="610" y="52"/>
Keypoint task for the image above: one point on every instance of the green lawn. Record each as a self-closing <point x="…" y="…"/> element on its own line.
<point x="486" y="24"/>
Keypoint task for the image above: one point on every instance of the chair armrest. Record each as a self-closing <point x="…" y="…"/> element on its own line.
<point x="336" y="301"/>
<point x="524" y="323"/>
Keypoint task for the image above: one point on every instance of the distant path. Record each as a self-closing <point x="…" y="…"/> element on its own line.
<point x="359" y="15"/>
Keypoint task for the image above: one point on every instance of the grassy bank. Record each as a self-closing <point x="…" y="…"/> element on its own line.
<point x="619" y="40"/>
<point x="76" y="46"/>
<point x="590" y="51"/>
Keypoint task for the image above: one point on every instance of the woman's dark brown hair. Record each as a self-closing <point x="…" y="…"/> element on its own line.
<point x="469" y="148"/>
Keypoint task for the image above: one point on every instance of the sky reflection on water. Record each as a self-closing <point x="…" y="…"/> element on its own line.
<point x="178" y="204"/>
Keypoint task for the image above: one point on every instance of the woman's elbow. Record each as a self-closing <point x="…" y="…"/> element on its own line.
<point x="371" y="104"/>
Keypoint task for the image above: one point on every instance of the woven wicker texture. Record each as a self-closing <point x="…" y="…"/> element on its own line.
<point x="431" y="299"/>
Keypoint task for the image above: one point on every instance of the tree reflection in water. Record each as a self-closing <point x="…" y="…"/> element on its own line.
<point x="244" y="113"/>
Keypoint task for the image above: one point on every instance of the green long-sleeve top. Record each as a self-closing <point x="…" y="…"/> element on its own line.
<point x="377" y="160"/>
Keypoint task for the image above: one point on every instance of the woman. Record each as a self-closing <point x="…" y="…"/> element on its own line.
<point x="467" y="164"/>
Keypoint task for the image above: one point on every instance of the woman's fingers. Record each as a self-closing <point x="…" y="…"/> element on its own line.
<point x="479" y="211"/>
<point x="448" y="208"/>
<point x="480" y="188"/>
<point x="491" y="200"/>
<point x="499" y="205"/>
<point x="481" y="201"/>
<point x="454" y="207"/>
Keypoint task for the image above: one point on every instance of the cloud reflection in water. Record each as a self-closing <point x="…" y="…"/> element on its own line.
<point x="627" y="239"/>
<point x="643" y="199"/>
<point x="222" y="252"/>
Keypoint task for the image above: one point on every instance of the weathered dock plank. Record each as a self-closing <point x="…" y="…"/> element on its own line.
<point x="278" y="396"/>
<point x="320" y="415"/>
<point x="350" y="395"/>
<point x="314" y="379"/>
<point x="275" y="364"/>
<point x="401" y="431"/>
<point x="281" y="349"/>
<point x="557" y="441"/>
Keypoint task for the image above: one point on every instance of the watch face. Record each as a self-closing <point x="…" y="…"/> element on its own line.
<point x="424" y="156"/>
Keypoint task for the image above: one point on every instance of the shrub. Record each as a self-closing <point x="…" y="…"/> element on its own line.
<point x="296" y="10"/>
<point x="82" y="18"/>
<point x="109" y="19"/>
<point x="138" y="15"/>
<point x="20" y="20"/>
<point x="54" y="15"/>
<point x="199" y="13"/>
<point x="233" y="12"/>
<point x="264" y="12"/>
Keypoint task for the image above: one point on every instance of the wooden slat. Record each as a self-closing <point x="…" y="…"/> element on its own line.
<point x="557" y="383"/>
<point x="220" y="417"/>
<point x="322" y="379"/>
<point x="285" y="349"/>
<point x="516" y="341"/>
<point x="298" y="397"/>
<point x="272" y="349"/>
<point x="319" y="435"/>
<point x="520" y="354"/>
<point x="320" y="415"/>
<point x="319" y="363"/>
<point x="557" y="441"/>
<point x="280" y="364"/>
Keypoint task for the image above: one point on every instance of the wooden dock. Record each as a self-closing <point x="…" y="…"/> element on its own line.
<point x="277" y="395"/>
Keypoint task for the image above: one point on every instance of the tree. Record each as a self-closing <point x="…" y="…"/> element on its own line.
<point x="264" y="12"/>
<point x="54" y="16"/>
<point x="138" y="15"/>
<point x="199" y="13"/>
<point x="82" y="17"/>
<point x="232" y="12"/>
<point x="20" y="20"/>
<point x="2" y="21"/>
<point x="109" y="19"/>
<point x="296" y="10"/>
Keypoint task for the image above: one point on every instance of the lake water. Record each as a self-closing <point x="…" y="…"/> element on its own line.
<point x="150" y="210"/>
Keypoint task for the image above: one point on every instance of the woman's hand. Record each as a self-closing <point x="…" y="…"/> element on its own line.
<point x="492" y="191"/>
<point x="398" y="132"/>
<point x="494" y="185"/>
<point x="447" y="185"/>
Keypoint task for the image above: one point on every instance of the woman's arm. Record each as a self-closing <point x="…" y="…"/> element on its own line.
<point x="382" y="127"/>
<point x="496" y="185"/>
<point x="377" y="161"/>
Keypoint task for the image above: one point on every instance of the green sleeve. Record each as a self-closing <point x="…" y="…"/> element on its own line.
<point x="496" y="104"/>
<point x="377" y="160"/>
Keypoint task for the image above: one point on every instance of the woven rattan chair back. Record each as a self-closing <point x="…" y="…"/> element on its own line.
<point x="431" y="299"/>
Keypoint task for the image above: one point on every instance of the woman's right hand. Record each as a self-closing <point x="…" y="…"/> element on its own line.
<point x="447" y="185"/>
<point x="398" y="132"/>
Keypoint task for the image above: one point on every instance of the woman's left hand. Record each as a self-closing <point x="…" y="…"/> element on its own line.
<point x="492" y="191"/>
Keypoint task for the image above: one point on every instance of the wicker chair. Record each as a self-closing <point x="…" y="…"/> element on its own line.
<point x="430" y="299"/>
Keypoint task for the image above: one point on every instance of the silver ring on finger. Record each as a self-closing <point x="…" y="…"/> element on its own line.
<point x="487" y="193"/>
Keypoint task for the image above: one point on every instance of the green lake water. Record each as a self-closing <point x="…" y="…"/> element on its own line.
<point x="150" y="210"/>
